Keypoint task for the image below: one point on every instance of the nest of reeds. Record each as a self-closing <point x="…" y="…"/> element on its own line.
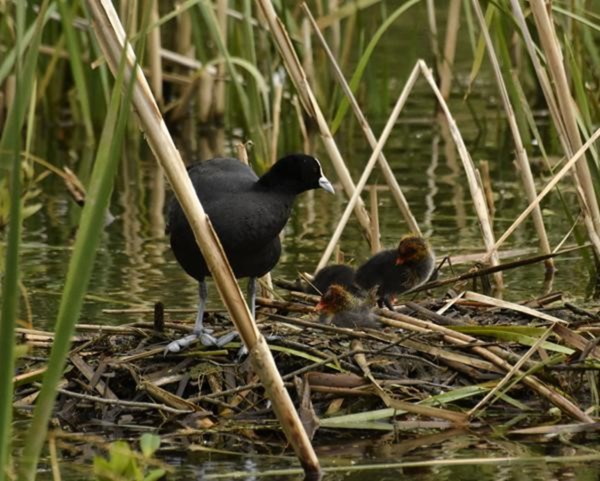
<point x="467" y="361"/>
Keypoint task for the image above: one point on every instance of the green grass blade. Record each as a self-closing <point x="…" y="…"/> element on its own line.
<point x="16" y="115"/>
<point x="364" y="60"/>
<point x="10" y="286"/>
<point x="79" y="272"/>
<point x="77" y="67"/>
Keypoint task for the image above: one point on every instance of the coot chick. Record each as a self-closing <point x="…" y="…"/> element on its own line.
<point x="247" y="213"/>
<point x="397" y="270"/>
<point x="340" y="274"/>
<point x="340" y="308"/>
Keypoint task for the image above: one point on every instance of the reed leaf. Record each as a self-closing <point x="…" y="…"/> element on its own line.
<point x="10" y="285"/>
<point x="250" y="110"/>
<point x="79" y="272"/>
<point x="76" y="63"/>
<point x="364" y="60"/>
<point x="16" y="115"/>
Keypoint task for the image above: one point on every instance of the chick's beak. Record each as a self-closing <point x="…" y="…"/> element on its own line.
<point x="320" y="306"/>
<point x="326" y="185"/>
<point x="399" y="261"/>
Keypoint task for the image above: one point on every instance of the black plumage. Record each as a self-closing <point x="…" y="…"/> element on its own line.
<point x="247" y="213"/>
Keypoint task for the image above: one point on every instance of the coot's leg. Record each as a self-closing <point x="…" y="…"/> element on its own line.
<point x="252" y="296"/>
<point x="199" y="331"/>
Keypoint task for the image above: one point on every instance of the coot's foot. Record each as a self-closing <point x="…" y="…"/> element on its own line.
<point x="205" y="337"/>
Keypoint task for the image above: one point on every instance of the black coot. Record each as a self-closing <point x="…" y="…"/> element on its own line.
<point x="397" y="270"/>
<point x="247" y="212"/>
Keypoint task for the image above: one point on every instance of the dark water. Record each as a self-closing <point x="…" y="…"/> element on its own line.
<point x="135" y="268"/>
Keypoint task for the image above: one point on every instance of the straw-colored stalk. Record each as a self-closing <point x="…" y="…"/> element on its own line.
<point x="481" y="207"/>
<point x="335" y="29"/>
<point x="183" y="38"/>
<point x="205" y="99"/>
<point x="542" y="76"/>
<point x="111" y="38"/>
<point x="433" y="34"/>
<point x="452" y="27"/>
<point x="276" y="116"/>
<point x="567" y="110"/>
<point x="559" y="175"/>
<point x="308" y="63"/>
<point x="388" y="174"/>
<point x="220" y="91"/>
<point x="486" y="182"/>
<point x="154" y="57"/>
<point x="387" y="130"/>
<point x="309" y="102"/>
<point x="521" y="153"/>
<point x="374" y="208"/>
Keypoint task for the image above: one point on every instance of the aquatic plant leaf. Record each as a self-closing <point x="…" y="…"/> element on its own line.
<point x="149" y="443"/>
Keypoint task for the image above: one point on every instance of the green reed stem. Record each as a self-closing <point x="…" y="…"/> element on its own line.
<point x="80" y="270"/>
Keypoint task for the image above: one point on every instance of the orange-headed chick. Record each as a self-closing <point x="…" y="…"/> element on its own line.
<point x="341" y="308"/>
<point x="397" y="270"/>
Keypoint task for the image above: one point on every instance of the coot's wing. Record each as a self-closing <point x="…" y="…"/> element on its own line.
<point x="213" y="180"/>
<point x="216" y="178"/>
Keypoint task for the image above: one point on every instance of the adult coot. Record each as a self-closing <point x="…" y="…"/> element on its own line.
<point x="247" y="213"/>
<point x="340" y="308"/>
<point x="397" y="270"/>
<point x="340" y="274"/>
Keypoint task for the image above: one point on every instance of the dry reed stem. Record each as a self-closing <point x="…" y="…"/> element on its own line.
<point x="521" y="153"/>
<point x="311" y="106"/>
<point x="452" y="27"/>
<point x="567" y="110"/>
<point x="156" y="73"/>
<point x="388" y="174"/>
<point x="433" y="34"/>
<point x="220" y="86"/>
<point x="374" y="212"/>
<point x="492" y="301"/>
<point x="369" y="167"/>
<point x="549" y="186"/>
<point x="111" y="38"/>
<point x="276" y="115"/>
<point x="541" y="74"/>
<point x="481" y="207"/>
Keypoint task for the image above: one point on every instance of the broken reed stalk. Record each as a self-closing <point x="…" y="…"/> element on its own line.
<point x="369" y="167"/>
<point x="496" y="356"/>
<point x="521" y="153"/>
<point x="512" y="372"/>
<point x="386" y="170"/>
<point x="311" y="107"/>
<point x="567" y="110"/>
<point x="111" y="38"/>
<point x="549" y="186"/>
<point x="481" y="207"/>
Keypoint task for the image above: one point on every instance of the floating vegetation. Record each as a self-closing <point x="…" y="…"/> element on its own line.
<point x="466" y="362"/>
